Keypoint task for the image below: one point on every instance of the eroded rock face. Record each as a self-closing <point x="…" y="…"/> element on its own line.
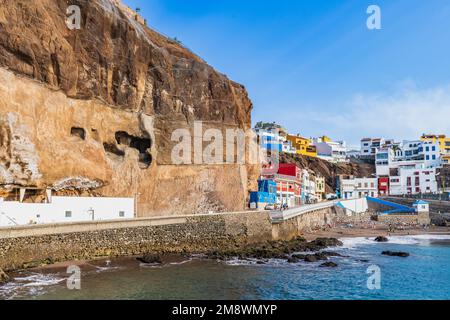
<point x="94" y="109"/>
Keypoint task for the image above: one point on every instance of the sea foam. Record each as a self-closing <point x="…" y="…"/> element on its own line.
<point x="353" y="243"/>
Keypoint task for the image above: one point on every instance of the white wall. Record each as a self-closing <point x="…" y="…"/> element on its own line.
<point x="427" y="182"/>
<point x="359" y="187"/>
<point x="15" y="213"/>
<point x="355" y="205"/>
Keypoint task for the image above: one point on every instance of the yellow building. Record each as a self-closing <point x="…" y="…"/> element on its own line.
<point x="444" y="144"/>
<point x="303" y="145"/>
<point x="320" y="188"/>
<point x="325" y="139"/>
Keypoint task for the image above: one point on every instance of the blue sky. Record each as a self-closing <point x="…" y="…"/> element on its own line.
<point x="314" y="67"/>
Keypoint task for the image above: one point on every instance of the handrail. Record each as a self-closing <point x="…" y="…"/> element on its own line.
<point x="10" y="219"/>
<point x="279" y="216"/>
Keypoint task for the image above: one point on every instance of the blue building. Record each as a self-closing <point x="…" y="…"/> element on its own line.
<point x="266" y="194"/>
<point x="270" y="136"/>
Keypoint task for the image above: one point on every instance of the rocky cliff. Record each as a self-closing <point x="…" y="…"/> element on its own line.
<point x="92" y="110"/>
<point x="330" y="171"/>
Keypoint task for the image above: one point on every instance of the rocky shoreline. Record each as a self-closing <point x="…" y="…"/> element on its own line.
<point x="312" y="251"/>
<point x="308" y="249"/>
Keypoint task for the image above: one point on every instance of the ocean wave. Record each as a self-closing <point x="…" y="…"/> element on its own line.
<point x="256" y="262"/>
<point x="28" y="285"/>
<point x="353" y="243"/>
<point x="181" y="262"/>
<point x="108" y="267"/>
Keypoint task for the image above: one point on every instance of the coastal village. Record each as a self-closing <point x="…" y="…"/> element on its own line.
<point x="87" y="123"/>
<point x="408" y="168"/>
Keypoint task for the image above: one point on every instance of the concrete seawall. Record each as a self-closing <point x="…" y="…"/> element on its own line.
<point x="25" y="247"/>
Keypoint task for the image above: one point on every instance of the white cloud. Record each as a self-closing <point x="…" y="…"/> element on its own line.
<point x="404" y="114"/>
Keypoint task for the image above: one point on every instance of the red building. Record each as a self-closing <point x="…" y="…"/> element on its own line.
<point x="383" y="186"/>
<point x="288" y="179"/>
<point x="289" y="169"/>
<point x="289" y="187"/>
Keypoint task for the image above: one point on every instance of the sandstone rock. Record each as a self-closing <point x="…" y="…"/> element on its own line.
<point x="396" y="254"/>
<point x="381" y="239"/>
<point x="93" y="113"/>
<point x="3" y="277"/>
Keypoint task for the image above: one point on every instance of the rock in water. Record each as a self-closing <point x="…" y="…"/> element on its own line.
<point x="396" y="254"/>
<point x="329" y="264"/>
<point x="381" y="239"/>
<point x="321" y="256"/>
<point x="310" y="258"/>
<point x="150" y="258"/>
<point x="292" y="259"/>
<point x="331" y="254"/>
<point x="3" y="277"/>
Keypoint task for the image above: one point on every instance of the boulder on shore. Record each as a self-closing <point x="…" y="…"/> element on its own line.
<point x="395" y="254"/>
<point x="329" y="264"/>
<point x="150" y="258"/>
<point x="327" y="242"/>
<point x="3" y="277"/>
<point x="381" y="239"/>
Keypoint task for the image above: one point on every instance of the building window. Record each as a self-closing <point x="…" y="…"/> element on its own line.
<point x="121" y="214"/>
<point x="68" y="214"/>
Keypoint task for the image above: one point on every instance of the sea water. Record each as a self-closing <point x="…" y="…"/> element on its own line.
<point x="423" y="275"/>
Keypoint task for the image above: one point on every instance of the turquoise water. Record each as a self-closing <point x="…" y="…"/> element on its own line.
<point x="423" y="275"/>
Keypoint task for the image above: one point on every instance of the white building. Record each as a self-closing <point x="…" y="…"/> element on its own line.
<point x="384" y="157"/>
<point x="332" y="151"/>
<point x="309" y="194"/>
<point x="273" y="137"/>
<point x="287" y="146"/>
<point x="356" y="188"/>
<point x="369" y="146"/>
<point x="65" y="210"/>
<point x="409" y="153"/>
<point x="413" y="179"/>
<point x="432" y="154"/>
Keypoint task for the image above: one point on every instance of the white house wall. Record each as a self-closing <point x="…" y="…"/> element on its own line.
<point x="81" y="209"/>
